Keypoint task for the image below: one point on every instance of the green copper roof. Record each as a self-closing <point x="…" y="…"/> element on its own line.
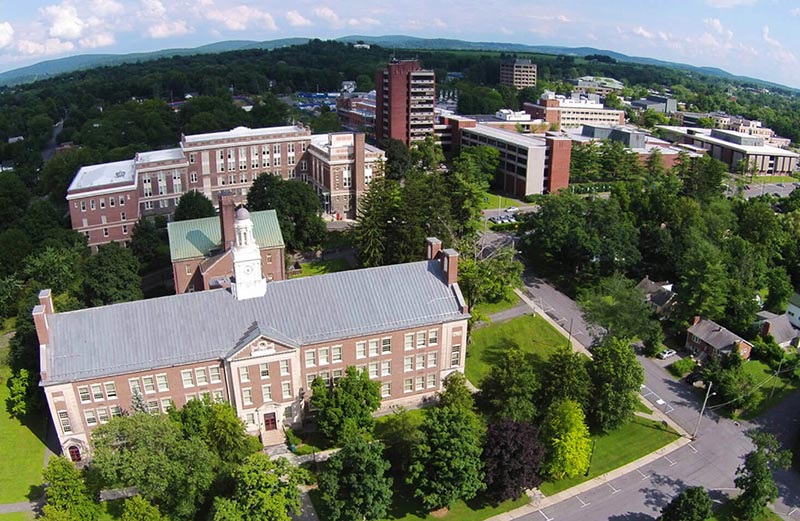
<point x="198" y="237"/>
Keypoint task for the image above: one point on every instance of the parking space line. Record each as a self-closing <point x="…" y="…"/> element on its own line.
<point x="692" y="447"/>
<point x="545" y="515"/>
<point x="584" y="504"/>
<point x="614" y="490"/>
<point x="671" y="463"/>
<point x="644" y="476"/>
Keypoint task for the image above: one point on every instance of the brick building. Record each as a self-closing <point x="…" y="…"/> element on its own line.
<point x="153" y="182"/>
<point x="255" y="345"/>
<point x="201" y="250"/>
<point x="518" y="73"/>
<point x="405" y="96"/>
<point x="562" y="112"/>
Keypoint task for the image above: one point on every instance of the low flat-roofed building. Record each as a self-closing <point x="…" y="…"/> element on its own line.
<point x="600" y="85"/>
<point x="636" y="141"/>
<point x="663" y="104"/>
<point x="562" y="112"/>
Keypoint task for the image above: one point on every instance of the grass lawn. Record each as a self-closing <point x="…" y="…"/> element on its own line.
<point x="725" y="513"/>
<point x="783" y="387"/>
<point x="21" y="448"/>
<point x="17" y="516"/>
<point x="757" y="180"/>
<point x="490" y="308"/>
<point x="323" y="266"/>
<point x="640" y="407"/>
<point x="415" y="415"/>
<point x="617" y="448"/>
<point x="494" y="201"/>
<point x="405" y="508"/>
<point x="530" y="333"/>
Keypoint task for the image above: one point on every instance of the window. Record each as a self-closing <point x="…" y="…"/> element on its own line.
<point x="323" y="356"/>
<point x="83" y="206"/>
<point x="102" y="203"/>
<point x="266" y="393"/>
<point x="269" y="258"/>
<point x="408" y="385"/>
<point x="202" y="376"/>
<point x="263" y="370"/>
<point x="420" y="339"/>
<point x="63" y="419"/>
<point x="408" y="363"/>
<point x="303" y="165"/>
<point x="91" y="204"/>
<point x="163" y="384"/>
<point x="135" y="385"/>
<point x="408" y="343"/>
<point x="431" y="380"/>
<point x="337" y="353"/>
<point x="244" y="374"/>
<point x="111" y="390"/>
<point x="205" y="396"/>
<point x="166" y="405"/>
<point x="213" y="372"/>
<point x="361" y="349"/>
<point x="83" y="392"/>
<point x="373" y="347"/>
<point x="188" y="378"/>
<point x="189" y="397"/>
<point x="111" y="202"/>
<point x="347" y="178"/>
<point x="386" y="390"/>
<point x="218" y="397"/>
<point x="122" y="200"/>
<point x="247" y="396"/>
<point x="91" y="419"/>
<point x="431" y="359"/>
<point x="250" y="419"/>
<point x="193" y="177"/>
<point x="373" y="369"/>
<point x="124" y="229"/>
<point x="284" y="367"/>
<point x="386" y="345"/>
<point x="311" y="358"/>
<point x="276" y="149"/>
<point x="116" y="410"/>
<point x="420" y="361"/>
<point x="149" y="384"/>
<point x="337" y="374"/>
<point x="326" y="377"/>
<point x="310" y="379"/>
<point x="386" y="368"/>
<point x="455" y="356"/>
<point x="419" y="383"/>
<point x="148" y="205"/>
<point x="286" y="389"/>
<point x="191" y="158"/>
<point x="102" y="414"/>
<point x="152" y="407"/>
<point x="105" y="232"/>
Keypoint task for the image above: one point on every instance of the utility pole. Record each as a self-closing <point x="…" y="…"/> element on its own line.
<point x="702" y="410"/>
<point x="775" y="381"/>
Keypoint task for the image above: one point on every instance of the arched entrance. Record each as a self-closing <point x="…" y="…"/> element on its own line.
<point x="74" y="453"/>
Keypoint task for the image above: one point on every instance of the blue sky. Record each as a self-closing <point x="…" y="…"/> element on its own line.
<point x="758" y="38"/>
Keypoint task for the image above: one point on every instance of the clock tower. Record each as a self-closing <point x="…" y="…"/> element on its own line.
<point x="249" y="282"/>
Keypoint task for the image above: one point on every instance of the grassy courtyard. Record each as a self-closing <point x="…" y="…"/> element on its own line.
<point x="762" y="372"/>
<point x="21" y="446"/>
<point x="490" y="308"/>
<point x="493" y="201"/>
<point x="323" y="266"/>
<point x="529" y="333"/>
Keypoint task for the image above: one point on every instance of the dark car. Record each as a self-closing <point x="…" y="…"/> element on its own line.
<point x="692" y="378"/>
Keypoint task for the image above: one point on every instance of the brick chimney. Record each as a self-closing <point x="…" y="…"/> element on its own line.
<point x="432" y="248"/>
<point x="766" y="327"/>
<point x="227" y="211"/>
<point x="40" y="314"/>
<point x="450" y="265"/>
<point x="696" y="320"/>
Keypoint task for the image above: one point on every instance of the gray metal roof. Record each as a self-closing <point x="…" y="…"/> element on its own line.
<point x="205" y="325"/>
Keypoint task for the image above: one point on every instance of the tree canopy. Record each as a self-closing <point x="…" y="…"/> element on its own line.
<point x="193" y="205"/>
<point x="345" y="406"/>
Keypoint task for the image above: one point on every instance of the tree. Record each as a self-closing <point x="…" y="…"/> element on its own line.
<point x="512" y="457"/>
<point x="193" y="205"/>
<point x="565" y="376"/>
<point x="779" y="285"/>
<point x="139" y="509"/>
<point x="298" y="209"/>
<point x="22" y="387"/>
<point x="145" y="240"/>
<point x="511" y="388"/>
<point x="487" y="278"/>
<point x="618" y="306"/>
<point x="67" y="497"/>
<point x="264" y="489"/>
<point x="456" y="393"/>
<point x="112" y="276"/>
<point x="399" y="433"/>
<point x="345" y="407"/>
<point x="354" y="484"/>
<point x="60" y="269"/>
<point x="617" y="376"/>
<point x="398" y="159"/>
<point x="567" y="441"/>
<point x="755" y="477"/>
<point x="445" y="464"/>
<point x="227" y="436"/>
<point x="378" y="209"/>
<point x="692" y="504"/>
<point x="150" y="453"/>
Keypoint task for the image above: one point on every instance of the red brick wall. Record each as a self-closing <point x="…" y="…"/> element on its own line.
<point x="560" y="154"/>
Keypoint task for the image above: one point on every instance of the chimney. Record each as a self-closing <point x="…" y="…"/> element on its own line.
<point x="227" y="211"/>
<point x="766" y="327"/>
<point x="432" y="248"/>
<point x="450" y="265"/>
<point x="696" y="320"/>
<point x="46" y="300"/>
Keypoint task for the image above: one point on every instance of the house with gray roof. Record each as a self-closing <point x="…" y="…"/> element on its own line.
<point x="779" y="327"/>
<point x="659" y="295"/>
<point x="257" y="345"/>
<point x="706" y="338"/>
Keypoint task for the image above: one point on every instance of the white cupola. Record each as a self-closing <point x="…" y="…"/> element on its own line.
<point x="249" y="282"/>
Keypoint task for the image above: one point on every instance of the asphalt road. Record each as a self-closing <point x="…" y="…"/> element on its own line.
<point x="710" y="461"/>
<point x="758" y="189"/>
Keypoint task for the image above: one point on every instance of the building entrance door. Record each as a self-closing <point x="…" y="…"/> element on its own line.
<point x="270" y="423"/>
<point x="74" y="453"/>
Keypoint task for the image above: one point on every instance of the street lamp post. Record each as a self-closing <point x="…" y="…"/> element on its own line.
<point x="702" y="410"/>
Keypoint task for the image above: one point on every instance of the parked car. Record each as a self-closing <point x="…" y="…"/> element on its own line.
<point x="512" y="209"/>
<point x="666" y="353"/>
<point x="691" y="378"/>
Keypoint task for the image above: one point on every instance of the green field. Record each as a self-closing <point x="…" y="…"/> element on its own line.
<point x="494" y="201"/>
<point x="490" y="308"/>
<point x="640" y="407"/>
<point x="783" y="387"/>
<point x="770" y="179"/>
<point x="532" y="334"/>
<point x="17" y="516"/>
<point x="617" y="448"/>
<point x="323" y="266"/>
<point x="21" y="448"/>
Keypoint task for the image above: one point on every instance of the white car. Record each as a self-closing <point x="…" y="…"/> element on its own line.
<point x="512" y="209"/>
<point x="666" y="353"/>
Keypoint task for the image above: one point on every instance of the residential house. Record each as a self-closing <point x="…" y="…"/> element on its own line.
<point x="706" y="338"/>
<point x="659" y="295"/>
<point x="779" y="328"/>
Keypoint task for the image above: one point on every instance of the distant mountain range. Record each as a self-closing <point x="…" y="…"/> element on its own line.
<point x="50" y="68"/>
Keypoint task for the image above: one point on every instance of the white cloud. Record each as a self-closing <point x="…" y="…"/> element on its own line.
<point x="105" y="8"/>
<point x="644" y="33"/>
<point x="152" y="9"/>
<point x="327" y="14"/>
<point x="714" y="24"/>
<point x="6" y="34"/>
<point x="297" y="20"/>
<point x="46" y="47"/>
<point x="64" y="21"/>
<point x="766" y="37"/>
<point x="777" y="51"/>
<point x="167" y="29"/>
<point x="364" y="21"/>
<point x="241" y="17"/>
<point x="97" y="40"/>
<point x="724" y="4"/>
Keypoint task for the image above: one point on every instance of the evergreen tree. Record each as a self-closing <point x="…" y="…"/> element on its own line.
<point x="67" y="497"/>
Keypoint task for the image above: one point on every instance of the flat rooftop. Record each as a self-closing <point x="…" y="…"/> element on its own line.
<point x="119" y="172"/>
<point x="240" y="132"/>
<point x="515" y="138"/>
<point x="156" y="156"/>
<point x="704" y="135"/>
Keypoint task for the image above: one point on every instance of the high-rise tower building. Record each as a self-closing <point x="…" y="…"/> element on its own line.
<point x="405" y="96"/>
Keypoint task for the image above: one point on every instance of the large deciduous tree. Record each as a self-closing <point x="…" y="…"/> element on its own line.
<point x="693" y="504"/>
<point x="112" y="276"/>
<point x="193" y="205"/>
<point x="139" y="509"/>
<point x="565" y="376"/>
<point x="512" y="457"/>
<point x="263" y="489"/>
<point x="511" y="388"/>
<point x="345" y="407"/>
<point x="618" y="306"/>
<point x="617" y="377"/>
<point x="446" y="463"/>
<point x="354" y="484"/>
<point x="755" y="476"/>
<point x="67" y="497"/>
<point x="567" y="441"/>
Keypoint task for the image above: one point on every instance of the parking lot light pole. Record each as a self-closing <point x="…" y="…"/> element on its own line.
<point x="702" y="410"/>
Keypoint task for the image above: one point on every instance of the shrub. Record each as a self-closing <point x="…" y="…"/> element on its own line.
<point x="682" y="367"/>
